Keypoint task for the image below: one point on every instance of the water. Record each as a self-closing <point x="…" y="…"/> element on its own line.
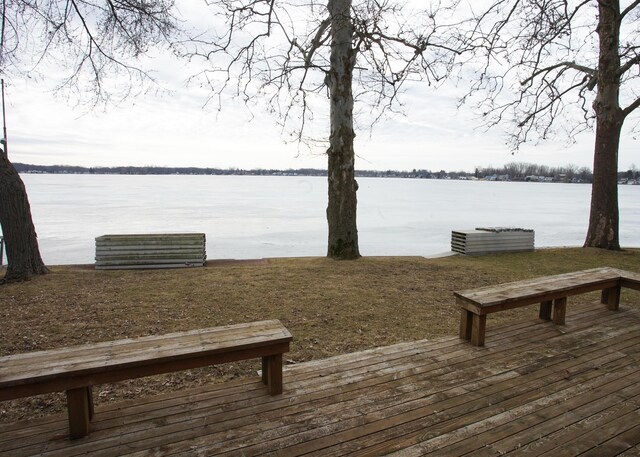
<point x="255" y="217"/>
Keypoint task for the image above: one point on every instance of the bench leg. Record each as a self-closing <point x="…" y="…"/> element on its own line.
<point x="80" y="411"/>
<point x="90" y="400"/>
<point x="272" y="373"/>
<point x="559" y="310"/>
<point x="545" y="310"/>
<point x="611" y="298"/>
<point x="478" y="330"/>
<point x="466" y="320"/>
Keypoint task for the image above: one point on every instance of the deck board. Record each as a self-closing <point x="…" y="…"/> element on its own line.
<point x="535" y="389"/>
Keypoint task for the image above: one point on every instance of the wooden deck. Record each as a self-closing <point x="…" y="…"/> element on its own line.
<point x="534" y="389"/>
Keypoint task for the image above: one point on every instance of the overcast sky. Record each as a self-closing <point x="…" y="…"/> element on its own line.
<point x="173" y="128"/>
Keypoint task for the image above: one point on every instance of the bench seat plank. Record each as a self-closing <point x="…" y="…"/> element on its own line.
<point x="630" y="279"/>
<point x="221" y="336"/>
<point x="115" y="352"/>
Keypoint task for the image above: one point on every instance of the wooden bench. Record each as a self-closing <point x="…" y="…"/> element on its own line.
<point x="550" y="291"/>
<point x="146" y="251"/>
<point x="76" y="369"/>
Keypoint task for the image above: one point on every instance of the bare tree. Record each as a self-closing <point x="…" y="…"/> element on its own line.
<point x="93" y="40"/>
<point x="559" y="66"/>
<point x="293" y="55"/>
<point x="21" y="243"/>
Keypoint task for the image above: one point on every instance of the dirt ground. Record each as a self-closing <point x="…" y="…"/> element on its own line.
<point x="330" y="307"/>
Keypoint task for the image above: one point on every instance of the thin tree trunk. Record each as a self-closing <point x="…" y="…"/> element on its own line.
<point x="21" y="241"/>
<point x="603" y="229"/>
<point x="341" y="210"/>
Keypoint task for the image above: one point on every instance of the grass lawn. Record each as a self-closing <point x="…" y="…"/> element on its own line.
<point x="330" y="307"/>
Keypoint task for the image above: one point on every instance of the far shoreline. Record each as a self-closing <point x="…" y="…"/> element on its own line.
<point x="515" y="172"/>
<point x="221" y="262"/>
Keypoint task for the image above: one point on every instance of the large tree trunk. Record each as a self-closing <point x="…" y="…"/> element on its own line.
<point x="21" y="241"/>
<point x="341" y="211"/>
<point x="603" y="219"/>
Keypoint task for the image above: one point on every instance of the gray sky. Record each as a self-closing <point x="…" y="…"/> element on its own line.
<point x="173" y="128"/>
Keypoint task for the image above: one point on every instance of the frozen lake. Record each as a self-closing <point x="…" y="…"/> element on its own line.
<point x="255" y="217"/>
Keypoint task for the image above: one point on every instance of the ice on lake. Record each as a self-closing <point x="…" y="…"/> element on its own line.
<point x="284" y="216"/>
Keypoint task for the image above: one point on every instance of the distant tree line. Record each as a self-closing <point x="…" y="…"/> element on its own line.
<point x="152" y="170"/>
<point x="518" y="171"/>
<point x="511" y="172"/>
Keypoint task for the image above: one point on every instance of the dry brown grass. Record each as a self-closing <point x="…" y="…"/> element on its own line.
<point x="330" y="307"/>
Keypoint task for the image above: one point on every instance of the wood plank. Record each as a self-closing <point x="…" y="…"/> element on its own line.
<point x="630" y="279"/>
<point x="273" y="365"/>
<point x="32" y="367"/>
<point x="521" y="293"/>
<point x="589" y="443"/>
<point x="515" y="431"/>
<point x="466" y="320"/>
<point x="440" y="445"/>
<point x="612" y="298"/>
<point x="559" y="310"/>
<point x="478" y="329"/>
<point x="78" y="408"/>
<point x="223" y="333"/>
<point x="545" y="310"/>
<point x="631" y="452"/>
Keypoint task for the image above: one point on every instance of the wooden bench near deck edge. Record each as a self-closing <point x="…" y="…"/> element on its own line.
<point x="550" y="291"/>
<point x="76" y="369"/>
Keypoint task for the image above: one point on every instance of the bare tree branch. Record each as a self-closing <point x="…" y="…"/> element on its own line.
<point x="573" y="65"/>
<point x="91" y="39"/>
<point x="629" y="109"/>
<point x="628" y="65"/>
<point x="629" y="8"/>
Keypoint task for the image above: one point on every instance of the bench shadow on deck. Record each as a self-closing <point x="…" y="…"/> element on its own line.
<point x="535" y="389"/>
